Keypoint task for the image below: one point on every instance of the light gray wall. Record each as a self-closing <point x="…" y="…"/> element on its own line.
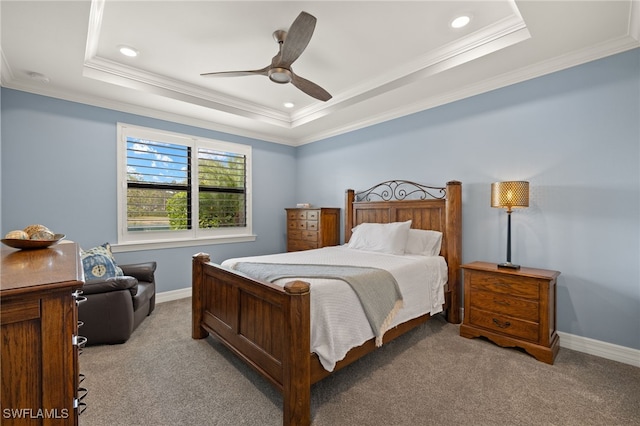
<point x="574" y="135"/>
<point x="59" y="169"/>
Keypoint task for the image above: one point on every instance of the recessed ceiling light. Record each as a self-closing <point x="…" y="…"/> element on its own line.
<point x="289" y="105"/>
<point x="460" y="21"/>
<point x="128" y="51"/>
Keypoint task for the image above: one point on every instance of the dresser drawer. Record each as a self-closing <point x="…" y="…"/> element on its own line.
<point x="297" y="224"/>
<point x="506" y="305"/>
<point x="303" y="235"/>
<point x="309" y="236"/>
<point x="505" y="284"/>
<point x="297" y="245"/>
<point x="297" y="215"/>
<point x="504" y="324"/>
<point x="313" y="214"/>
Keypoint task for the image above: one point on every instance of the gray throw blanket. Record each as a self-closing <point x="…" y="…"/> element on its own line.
<point x="376" y="288"/>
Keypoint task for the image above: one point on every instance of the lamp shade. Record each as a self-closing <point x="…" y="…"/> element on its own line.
<point x="510" y="194"/>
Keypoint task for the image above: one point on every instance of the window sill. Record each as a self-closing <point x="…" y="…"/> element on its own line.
<point x="164" y="244"/>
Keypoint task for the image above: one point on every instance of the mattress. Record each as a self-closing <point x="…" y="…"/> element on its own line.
<point x="338" y="322"/>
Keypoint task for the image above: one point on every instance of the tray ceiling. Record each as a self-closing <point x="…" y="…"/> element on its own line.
<point x="380" y="60"/>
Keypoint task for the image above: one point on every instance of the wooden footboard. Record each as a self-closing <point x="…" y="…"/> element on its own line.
<point x="266" y="325"/>
<point x="269" y="328"/>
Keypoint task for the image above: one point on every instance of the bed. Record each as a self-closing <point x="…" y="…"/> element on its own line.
<point x="268" y="324"/>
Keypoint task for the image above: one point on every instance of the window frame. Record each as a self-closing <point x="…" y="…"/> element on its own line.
<point x="133" y="240"/>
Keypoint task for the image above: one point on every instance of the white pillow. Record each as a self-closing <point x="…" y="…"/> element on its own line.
<point x="381" y="237"/>
<point x="423" y="242"/>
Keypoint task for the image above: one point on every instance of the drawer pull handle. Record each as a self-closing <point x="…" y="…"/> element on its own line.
<point x="80" y="406"/>
<point x="501" y="324"/>
<point x="82" y="394"/>
<point x="79" y="341"/>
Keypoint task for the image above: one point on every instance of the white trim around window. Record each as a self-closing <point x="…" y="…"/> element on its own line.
<point x="149" y="168"/>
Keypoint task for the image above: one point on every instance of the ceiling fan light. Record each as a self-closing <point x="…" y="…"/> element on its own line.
<point x="280" y="75"/>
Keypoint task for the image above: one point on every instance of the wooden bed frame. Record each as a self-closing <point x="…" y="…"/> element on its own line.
<point x="268" y="326"/>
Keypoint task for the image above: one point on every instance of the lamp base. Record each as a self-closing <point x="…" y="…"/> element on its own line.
<point x="508" y="265"/>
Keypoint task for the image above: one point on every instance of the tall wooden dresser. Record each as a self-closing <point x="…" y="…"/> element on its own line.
<point x="310" y="228"/>
<point x="39" y="331"/>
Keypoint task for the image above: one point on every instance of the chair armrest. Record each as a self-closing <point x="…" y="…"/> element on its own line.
<point x="111" y="284"/>
<point x="142" y="271"/>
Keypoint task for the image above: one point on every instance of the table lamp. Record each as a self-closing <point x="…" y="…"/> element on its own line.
<point x="509" y="195"/>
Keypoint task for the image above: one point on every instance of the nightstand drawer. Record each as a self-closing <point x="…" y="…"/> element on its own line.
<point x="501" y="304"/>
<point x="505" y="284"/>
<point x="504" y="324"/>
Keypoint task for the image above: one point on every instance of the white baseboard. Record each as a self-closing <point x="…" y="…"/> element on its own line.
<point x="570" y="341"/>
<point x="168" y="296"/>
<point x="599" y="348"/>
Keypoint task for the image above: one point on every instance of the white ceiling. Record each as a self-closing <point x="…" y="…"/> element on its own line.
<point x="380" y="60"/>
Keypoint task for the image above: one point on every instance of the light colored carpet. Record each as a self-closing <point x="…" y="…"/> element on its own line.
<point x="431" y="376"/>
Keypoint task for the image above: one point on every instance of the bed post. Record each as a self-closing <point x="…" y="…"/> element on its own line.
<point x="348" y="214"/>
<point x="197" y="299"/>
<point x="296" y="380"/>
<point x="454" y="247"/>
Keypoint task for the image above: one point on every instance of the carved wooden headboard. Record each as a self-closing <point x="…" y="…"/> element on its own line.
<point x="428" y="207"/>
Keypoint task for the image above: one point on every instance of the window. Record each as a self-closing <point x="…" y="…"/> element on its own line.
<point x="182" y="189"/>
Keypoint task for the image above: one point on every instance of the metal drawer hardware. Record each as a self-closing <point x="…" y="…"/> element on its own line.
<point x="501" y="324"/>
<point x="80" y="324"/>
<point x="82" y="394"/>
<point x="79" y="341"/>
<point x="78" y="296"/>
<point x="81" y="406"/>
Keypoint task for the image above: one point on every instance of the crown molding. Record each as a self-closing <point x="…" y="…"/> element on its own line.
<point x="593" y="53"/>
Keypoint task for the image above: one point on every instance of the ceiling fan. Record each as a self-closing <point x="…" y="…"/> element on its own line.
<point x="291" y="45"/>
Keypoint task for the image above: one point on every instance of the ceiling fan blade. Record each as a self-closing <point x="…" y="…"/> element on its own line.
<point x="297" y="39"/>
<point x="310" y="88"/>
<point x="262" y="71"/>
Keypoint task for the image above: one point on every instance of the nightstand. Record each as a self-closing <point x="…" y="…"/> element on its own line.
<point x="512" y="308"/>
<point x="310" y="228"/>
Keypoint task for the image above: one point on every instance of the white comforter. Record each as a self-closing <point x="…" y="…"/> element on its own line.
<point x="338" y="322"/>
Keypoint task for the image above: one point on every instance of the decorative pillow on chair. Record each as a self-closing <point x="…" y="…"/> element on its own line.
<point x="99" y="263"/>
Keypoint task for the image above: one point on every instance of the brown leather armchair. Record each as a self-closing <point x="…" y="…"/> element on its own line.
<point x="116" y="306"/>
